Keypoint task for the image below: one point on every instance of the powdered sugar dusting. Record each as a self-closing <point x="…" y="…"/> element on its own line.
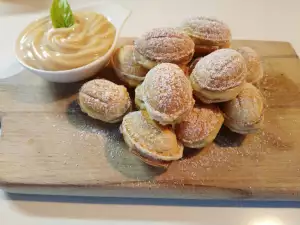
<point x="166" y="45"/>
<point x="207" y="28"/>
<point x="199" y="123"/>
<point x="155" y="141"/>
<point x="247" y="108"/>
<point x="105" y="98"/>
<point x="168" y="90"/>
<point x="220" y="70"/>
<point x="229" y="152"/>
<point x="253" y="62"/>
<point x="125" y="62"/>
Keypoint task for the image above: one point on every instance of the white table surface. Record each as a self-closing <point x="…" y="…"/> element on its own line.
<point x="251" y="19"/>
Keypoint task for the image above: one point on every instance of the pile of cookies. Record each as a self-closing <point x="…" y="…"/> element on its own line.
<point x="188" y="82"/>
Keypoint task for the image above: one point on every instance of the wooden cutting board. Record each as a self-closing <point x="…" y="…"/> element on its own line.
<point x="47" y="146"/>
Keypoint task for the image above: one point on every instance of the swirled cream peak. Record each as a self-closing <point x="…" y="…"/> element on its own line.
<point x="43" y="47"/>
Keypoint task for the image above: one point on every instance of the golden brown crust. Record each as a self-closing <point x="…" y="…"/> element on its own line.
<point x="166" y="45"/>
<point x="244" y="114"/>
<point x="236" y="127"/>
<point x="209" y="97"/>
<point x="185" y="68"/>
<point x="104" y="100"/>
<point x="151" y="161"/>
<point x="219" y="71"/>
<point x="167" y="93"/>
<point x="193" y="64"/>
<point x="201" y="126"/>
<point x="253" y="63"/>
<point x="203" y="50"/>
<point x="150" y="140"/>
<point x="126" y="67"/>
<point x="207" y="31"/>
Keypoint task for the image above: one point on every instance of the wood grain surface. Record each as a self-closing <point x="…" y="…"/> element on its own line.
<point x="47" y="146"/>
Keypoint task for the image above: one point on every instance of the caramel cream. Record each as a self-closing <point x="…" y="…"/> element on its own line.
<point x="43" y="47"/>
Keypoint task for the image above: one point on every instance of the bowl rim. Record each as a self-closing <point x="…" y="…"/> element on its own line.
<point x="77" y="69"/>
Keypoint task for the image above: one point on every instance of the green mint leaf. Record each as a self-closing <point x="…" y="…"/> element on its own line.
<point x="61" y="14"/>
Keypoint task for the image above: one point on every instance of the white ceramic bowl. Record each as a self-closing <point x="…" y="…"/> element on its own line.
<point x="117" y="15"/>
